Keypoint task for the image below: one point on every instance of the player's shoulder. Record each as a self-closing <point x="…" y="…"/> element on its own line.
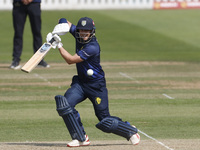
<point x="93" y="45"/>
<point x="91" y="48"/>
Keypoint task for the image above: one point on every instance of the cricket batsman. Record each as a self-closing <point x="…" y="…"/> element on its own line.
<point x="88" y="83"/>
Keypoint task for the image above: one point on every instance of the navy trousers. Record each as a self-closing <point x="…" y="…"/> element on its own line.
<point x="20" y="13"/>
<point x="95" y="91"/>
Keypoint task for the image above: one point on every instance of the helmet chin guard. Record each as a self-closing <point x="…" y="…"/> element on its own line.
<point x="81" y="40"/>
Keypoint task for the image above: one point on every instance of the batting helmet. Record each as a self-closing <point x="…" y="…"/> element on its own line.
<point x="85" y="23"/>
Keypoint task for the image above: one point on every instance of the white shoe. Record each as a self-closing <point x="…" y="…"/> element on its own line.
<point x="76" y="143"/>
<point x="15" y="65"/>
<point x="135" y="139"/>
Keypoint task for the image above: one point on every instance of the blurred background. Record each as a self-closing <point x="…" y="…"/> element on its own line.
<point x="126" y="29"/>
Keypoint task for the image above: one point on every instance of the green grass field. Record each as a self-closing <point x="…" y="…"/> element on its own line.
<point x="145" y="54"/>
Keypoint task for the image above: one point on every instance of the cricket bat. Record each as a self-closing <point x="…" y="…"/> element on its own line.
<point x="37" y="57"/>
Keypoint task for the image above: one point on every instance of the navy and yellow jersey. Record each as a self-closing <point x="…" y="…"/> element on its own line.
<point x="90" y="53"/>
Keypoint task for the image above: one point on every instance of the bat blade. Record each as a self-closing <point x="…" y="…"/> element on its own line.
<point x="36" y="58"/>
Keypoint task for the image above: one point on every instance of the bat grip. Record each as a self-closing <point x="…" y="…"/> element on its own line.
<point x="52" y="40"/>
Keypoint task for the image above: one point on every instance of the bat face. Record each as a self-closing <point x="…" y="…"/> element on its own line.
<point x="45" y="47"/>
<point x="36" y="58"/>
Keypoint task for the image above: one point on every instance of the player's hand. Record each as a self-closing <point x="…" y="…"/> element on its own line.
<point x="62" y="27"/>
<point x="58" y="41"/>
<point x="26" y="2"/>
<point x="49" y="37"/>
<point x="57" y="38"/>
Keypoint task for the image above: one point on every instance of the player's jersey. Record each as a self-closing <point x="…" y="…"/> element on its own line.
<point x="90" y="53"/>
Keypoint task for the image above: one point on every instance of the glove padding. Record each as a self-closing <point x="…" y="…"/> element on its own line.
<point x="61" y="29"/>
<point x="48" y="38"/>
<point x="58" y="41"/>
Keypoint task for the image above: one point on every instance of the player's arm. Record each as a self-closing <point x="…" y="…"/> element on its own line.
<point x="70" y="59"/>
<point x="69" y="23"/>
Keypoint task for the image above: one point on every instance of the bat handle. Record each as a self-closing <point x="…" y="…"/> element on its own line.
<point x="52" y="40"/>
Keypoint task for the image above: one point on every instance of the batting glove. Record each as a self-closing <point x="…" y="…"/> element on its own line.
<point x="48" y="38"/>
<point x="60" y="45"/>
<point x="62" y="27"/>
<point x="58" y="41"/>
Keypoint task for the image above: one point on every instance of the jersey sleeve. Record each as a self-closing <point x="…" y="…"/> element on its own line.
<point x="73" y="30"/>
<point x="88" y="51"/>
